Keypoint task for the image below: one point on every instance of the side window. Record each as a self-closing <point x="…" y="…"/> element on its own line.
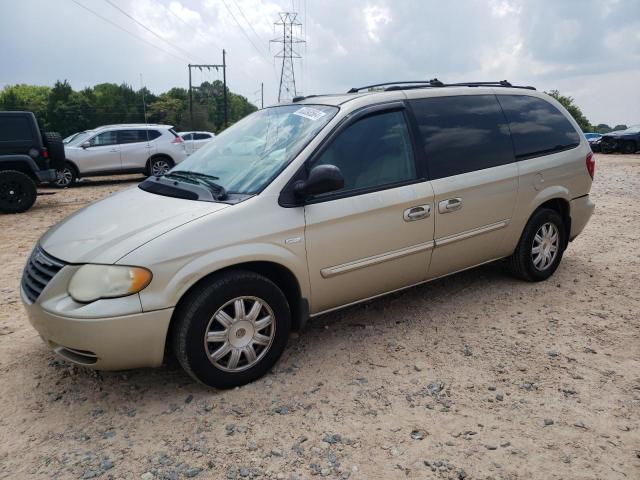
<point x="201" y="136"/>
<point x="187" y="137"/>
<point x="130" y="136"/>
<point x="537" y="127"/>
<point x="15" y="128"/>
<point x="152" y="134"/>
<point x="104" y="138"/>
<point x="373" y="152"/>
<point x="462" y="134"/>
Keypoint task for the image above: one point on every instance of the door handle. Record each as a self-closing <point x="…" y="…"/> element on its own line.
<point x="113" y="150"/>
<point x="416" y="213"/>
<point x="450" y="205"/>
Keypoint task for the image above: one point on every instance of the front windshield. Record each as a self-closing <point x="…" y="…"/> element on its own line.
<point x="79" y="137"/>
<point x="246" y="157"/>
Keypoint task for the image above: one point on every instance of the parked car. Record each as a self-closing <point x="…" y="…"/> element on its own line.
<point x="121" y="149"/>
<point x="625" y="141"/>
<point x="348" y="197"/>
<point x="28" y="157"/>
<point x="194" y="140"/>
<point x="594" y="140"/>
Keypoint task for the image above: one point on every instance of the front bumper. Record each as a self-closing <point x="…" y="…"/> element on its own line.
<point x="581" y="209"/>
<point x="109" y="343"/>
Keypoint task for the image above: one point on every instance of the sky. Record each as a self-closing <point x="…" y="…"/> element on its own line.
<point x="588" y="49"/>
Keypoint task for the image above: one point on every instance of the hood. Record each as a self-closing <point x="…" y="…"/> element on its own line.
<point x="107" y="230"/>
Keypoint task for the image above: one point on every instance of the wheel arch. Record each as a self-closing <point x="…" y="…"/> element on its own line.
<point x="74" y="166"/>
<point x="20" y="163"/>
<point x="563" y="207"/>
<point x="282" y="276"/>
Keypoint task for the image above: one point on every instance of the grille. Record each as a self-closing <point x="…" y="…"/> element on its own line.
<point x="40" y="269"/>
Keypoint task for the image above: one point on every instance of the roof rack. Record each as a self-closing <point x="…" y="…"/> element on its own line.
<point x="435" y="83"/>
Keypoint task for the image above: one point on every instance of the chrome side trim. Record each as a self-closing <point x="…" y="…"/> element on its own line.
<point x="376" y="259"/>
<point x="471" y="233"/>
<point x="373" y="297"/>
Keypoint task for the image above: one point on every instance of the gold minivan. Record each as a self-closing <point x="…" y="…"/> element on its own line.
<point x="307" y="207"/>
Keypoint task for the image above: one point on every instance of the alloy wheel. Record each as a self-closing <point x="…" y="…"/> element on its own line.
<point x="240" y="334"/>
<point x="160" y="167"/>
<point x="64" y="177"/>
<point x="546" y="244"/>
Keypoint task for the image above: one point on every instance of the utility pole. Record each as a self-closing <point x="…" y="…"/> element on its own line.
<point x="224" y="82"/>
<point x="290" y="26"/>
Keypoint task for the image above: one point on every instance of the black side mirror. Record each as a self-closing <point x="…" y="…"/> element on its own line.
<point x="322" y="179"/>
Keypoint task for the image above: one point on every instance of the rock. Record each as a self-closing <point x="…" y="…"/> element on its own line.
<point x="418" y="434"/>
<point x="90" y="473"/>
<point x="282" y="410"/>
<point x="276" y="453"/>
<point x="192" y="472"/>
<point x="492" y="388"/>
<point x="147" y="476"/>
<point x="499" y="397"/>
<point x="491" y="447"/>
<point x="462" y="474"/>
<point x="552" y="354"/>
<point x="467" y="351"/>
<point x="106" y="464"/>
<point x="189" y="399"/>
<point x="332" y="438"/>
<point x="548" y="422"/>
<point x="580" y="424"/>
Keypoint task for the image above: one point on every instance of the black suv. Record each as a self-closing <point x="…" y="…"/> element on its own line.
<point x="27" y="157"/>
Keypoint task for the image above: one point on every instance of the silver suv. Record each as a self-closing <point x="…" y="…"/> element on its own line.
<point x="303" y="208"/>
<point x="121" y="149"/>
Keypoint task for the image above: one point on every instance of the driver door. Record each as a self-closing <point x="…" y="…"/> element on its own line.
<point x="375" y="235"/>
<point x="102" y="154"/>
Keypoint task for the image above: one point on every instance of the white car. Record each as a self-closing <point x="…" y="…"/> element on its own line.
<point x="122" y="149"/>
<point x="195" y="140"/>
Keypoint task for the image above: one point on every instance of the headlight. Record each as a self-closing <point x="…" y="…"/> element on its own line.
<point x="92" y="282"/>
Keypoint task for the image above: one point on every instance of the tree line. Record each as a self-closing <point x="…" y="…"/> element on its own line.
<point x="586" y="126"/>
<point x="62" y="109"/>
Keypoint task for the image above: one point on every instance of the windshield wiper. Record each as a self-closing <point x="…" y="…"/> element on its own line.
<point x="218" y="191"/>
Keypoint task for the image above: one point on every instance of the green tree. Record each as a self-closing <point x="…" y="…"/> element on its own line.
<point x="603" y="128"/>
<point x="573" y="109"/>
<point x="620" y="127"/>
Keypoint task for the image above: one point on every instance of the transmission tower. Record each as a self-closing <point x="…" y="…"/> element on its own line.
<point x="290" y="28"/>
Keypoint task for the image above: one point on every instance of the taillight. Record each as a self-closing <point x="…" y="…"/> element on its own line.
<point x="591" y="164"/>
<point x="178" y="139"/>
<point x="45" y="153"/>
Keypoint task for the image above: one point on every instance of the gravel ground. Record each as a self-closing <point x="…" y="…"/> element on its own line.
<point x="473" y="376"/>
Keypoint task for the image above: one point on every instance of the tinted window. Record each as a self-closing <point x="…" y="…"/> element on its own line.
<point x="201" y="136"/>
<point x="136" y="136"/>
<point x="373" y="152"/>
<point x="105" y="138"/>
<point x="188" y="136"/>
<point x="462" y="134"/>
<point x="14" y="128"/>
<point x="537" y="127"/>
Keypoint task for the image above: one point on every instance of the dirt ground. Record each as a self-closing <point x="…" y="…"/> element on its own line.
<point x="474" y="376"/>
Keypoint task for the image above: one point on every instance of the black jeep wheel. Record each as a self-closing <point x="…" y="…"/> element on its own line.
<point x="17" y="192"/>
<point x="53" y="142"/>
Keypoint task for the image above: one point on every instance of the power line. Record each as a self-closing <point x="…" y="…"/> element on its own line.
<point x="246" y="20"/>
<point x="157" y="35"/>
<point x="243" y="31"/>
<point x="182" y="59"/>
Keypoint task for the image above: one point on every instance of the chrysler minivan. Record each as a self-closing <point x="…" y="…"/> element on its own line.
<point x="303" y="208"/>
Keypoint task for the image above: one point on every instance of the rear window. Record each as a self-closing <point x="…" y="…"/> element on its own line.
<point x="537" y="127"/>
<point x="14" y="128"/>
<point x="462" y="134"/>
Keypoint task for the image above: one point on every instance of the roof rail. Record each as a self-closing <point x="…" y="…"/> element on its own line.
<point x="435" y="83"/>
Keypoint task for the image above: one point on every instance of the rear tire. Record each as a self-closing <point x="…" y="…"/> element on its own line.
<point x="159" y="166"/>
<point x="540" y="248"/>
<point x="17" y="192"/>
<point x="629" y="147"/>
<point x="231" y="330"/>
<point x="53" y="142"/>
<point x="65" y="177"/>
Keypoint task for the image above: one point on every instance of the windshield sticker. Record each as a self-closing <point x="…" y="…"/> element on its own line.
<point x="310" y="113"/>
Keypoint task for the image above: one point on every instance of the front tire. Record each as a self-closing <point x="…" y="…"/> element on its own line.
<point x="17" y="192"/>
<point x="540" y="248"/>
<point x="629" y="147"/>
<point x="231" y="330"/>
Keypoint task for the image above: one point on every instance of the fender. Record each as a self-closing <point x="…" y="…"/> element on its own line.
<point x="167" y="293"/>
<point x="20" y="159"/>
